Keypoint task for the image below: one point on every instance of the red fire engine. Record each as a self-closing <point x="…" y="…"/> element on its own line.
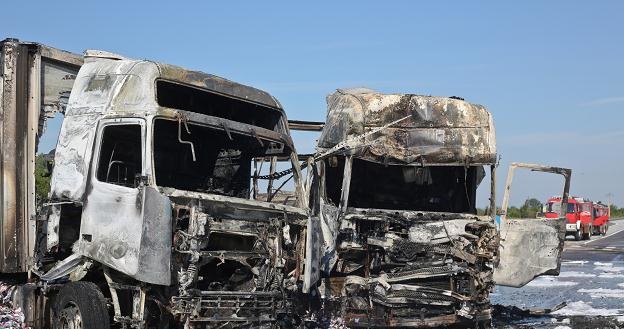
<point x="601" y="218"/>
<point x="584" y="217"/>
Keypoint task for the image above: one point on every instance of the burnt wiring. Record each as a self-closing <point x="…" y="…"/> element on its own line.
<point x="182" y="119"/>
<point x="279" y="188"/>
<point x="466" y="186"/>
<point x="335" y="149"/>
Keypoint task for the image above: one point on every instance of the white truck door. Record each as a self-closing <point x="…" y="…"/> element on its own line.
<point x="112" y="223"/>
<point x="530" y="247"/>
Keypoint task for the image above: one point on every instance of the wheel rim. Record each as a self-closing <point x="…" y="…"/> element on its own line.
<point x="70" y="318"/>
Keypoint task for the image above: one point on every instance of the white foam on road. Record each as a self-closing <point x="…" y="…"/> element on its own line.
<point x="549" y="281"/>
<point x="580" y="262"/>
<point x="609" y="269"/>
<point x="603" y="293"/>
<point x="602" y="264"/>
<point x="582" y="308"/>
<point x="611" y="276"/>
<point x="574" y="274"/>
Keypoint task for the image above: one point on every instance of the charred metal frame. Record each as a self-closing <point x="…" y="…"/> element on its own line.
<point x="530" y="247"/>
<point x="21" y="106"/>
<point x="565" y="172"/>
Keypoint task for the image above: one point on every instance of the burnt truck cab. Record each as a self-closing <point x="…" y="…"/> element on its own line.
<point x="394" y="206"/>
<point x="154" y="188"/>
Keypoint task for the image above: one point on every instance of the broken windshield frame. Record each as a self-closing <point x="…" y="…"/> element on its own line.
<point x="224" y="151"/>
<point x="359" y="193"/>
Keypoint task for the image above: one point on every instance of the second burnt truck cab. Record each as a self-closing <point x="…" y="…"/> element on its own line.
<point x="393" y="202"/>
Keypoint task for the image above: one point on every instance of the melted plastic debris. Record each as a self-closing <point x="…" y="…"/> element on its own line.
<point x="330" y="322"/>
<point x="10" y="317"/>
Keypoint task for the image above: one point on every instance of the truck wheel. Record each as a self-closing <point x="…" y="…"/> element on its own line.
<point x="80" y="305"/>
<point x="587" y="236"/>
<point x="577" y="235"/>
<point x="604" y="228"/>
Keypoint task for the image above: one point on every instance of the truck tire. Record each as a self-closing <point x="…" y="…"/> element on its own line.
<point x="80" y="305"/>
<point x="587" y="236"/>
<point x="577" y="235"/>
<point x="604" y="228"/>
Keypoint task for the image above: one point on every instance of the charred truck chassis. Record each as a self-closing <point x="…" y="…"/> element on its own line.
<point x="397" y="271"/>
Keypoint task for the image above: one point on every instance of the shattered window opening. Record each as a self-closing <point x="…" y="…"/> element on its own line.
<point x="191" y="99"/>
<point x="334" y="173"/>
<point x="272" y="180"/>
<point x="440" y="189"/>
<point x="120" y="155"/>
<point x="223" y="158"/>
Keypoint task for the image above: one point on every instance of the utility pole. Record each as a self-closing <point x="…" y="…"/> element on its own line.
<point x="609" y="200"/>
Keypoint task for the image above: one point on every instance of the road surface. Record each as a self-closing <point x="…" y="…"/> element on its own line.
<point x="591" y="283"/>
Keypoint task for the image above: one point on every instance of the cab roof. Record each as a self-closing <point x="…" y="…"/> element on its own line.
<point x="99" y="62"/>
<point x="408" y="128"/>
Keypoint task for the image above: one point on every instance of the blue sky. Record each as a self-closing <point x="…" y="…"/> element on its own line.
<point x="550" y="72"/>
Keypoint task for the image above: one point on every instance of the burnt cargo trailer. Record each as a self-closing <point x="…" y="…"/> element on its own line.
<point x="154" y="217"/>
<point x="35" y="81"/>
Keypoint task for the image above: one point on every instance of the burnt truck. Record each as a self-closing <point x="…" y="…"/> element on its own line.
<point x="393" y="204"/>
<point x="154" y="218"/>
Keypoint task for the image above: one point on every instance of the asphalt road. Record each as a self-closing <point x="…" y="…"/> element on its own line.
<point x="591" y="283"/>
<point x="599" y="248"/>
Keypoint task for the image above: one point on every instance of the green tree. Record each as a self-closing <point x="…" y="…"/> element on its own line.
<point x="529" y="209"/>
<point x="533" y="203"/>
<point x="514" y="212"/>
<point x="616" y="211"/>
<point x="42" y="177"/>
